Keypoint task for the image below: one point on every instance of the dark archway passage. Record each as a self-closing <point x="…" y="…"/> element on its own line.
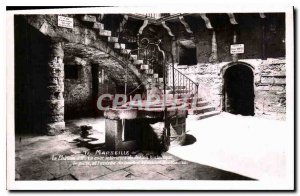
<point x="239" y="90"/>
<point x="32" y="49"/>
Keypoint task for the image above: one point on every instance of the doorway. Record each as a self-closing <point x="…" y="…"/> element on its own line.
<point x="239" y="90"/>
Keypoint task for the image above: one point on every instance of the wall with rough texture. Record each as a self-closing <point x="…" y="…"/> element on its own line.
<point x="269" y="84"/>
<point x="31" y="78"/>
<point x="249" y="31"/>
<point x="78" y="92"/>
<point x="84" y="48"/>
<point x="82" y="41"/>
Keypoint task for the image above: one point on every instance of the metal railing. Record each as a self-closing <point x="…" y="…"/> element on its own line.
<point x="180" y="83"/>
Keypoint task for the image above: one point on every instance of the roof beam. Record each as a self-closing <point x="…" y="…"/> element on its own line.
<point x="100" y="17"/>
<point x="143" y="27"/>
<point x="232" y="19"/>
<point x="185" y="24"/>
<point x="167" y="28"/>
<point x="207" y="21"/>
<point x="262" y="15"/>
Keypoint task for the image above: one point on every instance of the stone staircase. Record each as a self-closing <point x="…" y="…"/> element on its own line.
<point x="200" y="110"/>
<point x="106" y="35"/>
<point x="198" y="107"/>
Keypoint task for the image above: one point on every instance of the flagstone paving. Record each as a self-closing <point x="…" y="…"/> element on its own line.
<point x="36" y="160"/>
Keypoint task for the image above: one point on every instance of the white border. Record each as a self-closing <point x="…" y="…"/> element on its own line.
<point x="286" y="184"/>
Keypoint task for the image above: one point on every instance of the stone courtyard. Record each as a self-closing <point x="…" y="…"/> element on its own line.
<point x="203" y="97"/>
<point x="236" y="158"/>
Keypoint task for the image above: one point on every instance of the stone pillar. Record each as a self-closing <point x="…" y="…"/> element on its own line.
<point x="55" y="101"/>
<point x="214" y="48"/>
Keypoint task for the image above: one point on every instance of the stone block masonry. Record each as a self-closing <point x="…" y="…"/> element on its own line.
<point x="55" y="102"/>
<point x="269" y="84"/>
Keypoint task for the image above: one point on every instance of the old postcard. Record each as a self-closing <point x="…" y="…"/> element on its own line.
<point x="150" y="98"/>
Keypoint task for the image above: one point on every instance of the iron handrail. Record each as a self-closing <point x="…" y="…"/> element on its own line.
<point x="196" y="83"/>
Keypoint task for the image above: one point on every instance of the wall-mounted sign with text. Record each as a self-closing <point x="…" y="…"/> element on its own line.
<point x="66" y="22"/>
<point x="237" y="49"/>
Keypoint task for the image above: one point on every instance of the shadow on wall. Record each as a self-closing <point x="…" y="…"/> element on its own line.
<point x="32" y="50"/>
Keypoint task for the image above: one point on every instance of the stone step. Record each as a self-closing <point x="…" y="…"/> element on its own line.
<point x="190" y="99"/>
<point x="125" y="51"/>
<point x="117" y="46"/>
<point x="105" y="33"/>
<point x="112" y="39"/>
<point x="186" y="97"/>
<point x="144" y="67"/>
<point x="176" y="87"/>
<point x="149" y="72"/>
<point x="149" y="80"/>
<point x="202" y="103"/>
<point x="98" y="25"/>
<point x="180" y="91"/>
<point x="138" y="62"/>
<point x="155" y="76"/>
<point x="161" y="80"/>
<point x="133" y="57"/>
<point x="197" y="103"/>
<point x="203" y="116"/>
<point x="88" y="18"/>
<point x="201" y="110"/>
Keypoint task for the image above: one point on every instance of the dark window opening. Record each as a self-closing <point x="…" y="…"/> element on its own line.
<point x="71" y="71"/>
<point x="187" y="53"/>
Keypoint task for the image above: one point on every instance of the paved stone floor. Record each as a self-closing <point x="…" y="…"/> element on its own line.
<point x="251" y="146"/>
<point x="64" y="157"/>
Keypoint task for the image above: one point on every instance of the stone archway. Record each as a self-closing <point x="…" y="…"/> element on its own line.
<point x="238" y="89"/>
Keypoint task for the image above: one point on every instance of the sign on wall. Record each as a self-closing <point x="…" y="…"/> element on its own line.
<point x="63" y="21"/>
<point x="237" y="49"/>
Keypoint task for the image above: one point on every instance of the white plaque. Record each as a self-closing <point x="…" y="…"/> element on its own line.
<point x="63" y="21"/>
<point x="237" y="49"/>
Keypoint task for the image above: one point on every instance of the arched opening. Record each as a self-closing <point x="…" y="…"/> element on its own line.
<point x="238" y="90"/>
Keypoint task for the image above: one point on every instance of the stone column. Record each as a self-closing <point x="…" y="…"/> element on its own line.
<point x="214" y="48"/>
<point x="55" y="101"/>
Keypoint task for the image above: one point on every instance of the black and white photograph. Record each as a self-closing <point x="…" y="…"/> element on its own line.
<point x="108" y="98"/>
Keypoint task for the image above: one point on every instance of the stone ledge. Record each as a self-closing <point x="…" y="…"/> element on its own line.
<point x="116" y="114"/>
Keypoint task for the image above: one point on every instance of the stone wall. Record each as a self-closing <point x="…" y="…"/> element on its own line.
<point x="81" y="94"/>
<point x="31" y="78"/>
<point x="78" y="92"/>
<point x="86" y="39"/>
<point x="269" y="84"/>
<point x="249" y="31"/>
<point x="84" y="48"/>
<point x="209" y="78"/>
